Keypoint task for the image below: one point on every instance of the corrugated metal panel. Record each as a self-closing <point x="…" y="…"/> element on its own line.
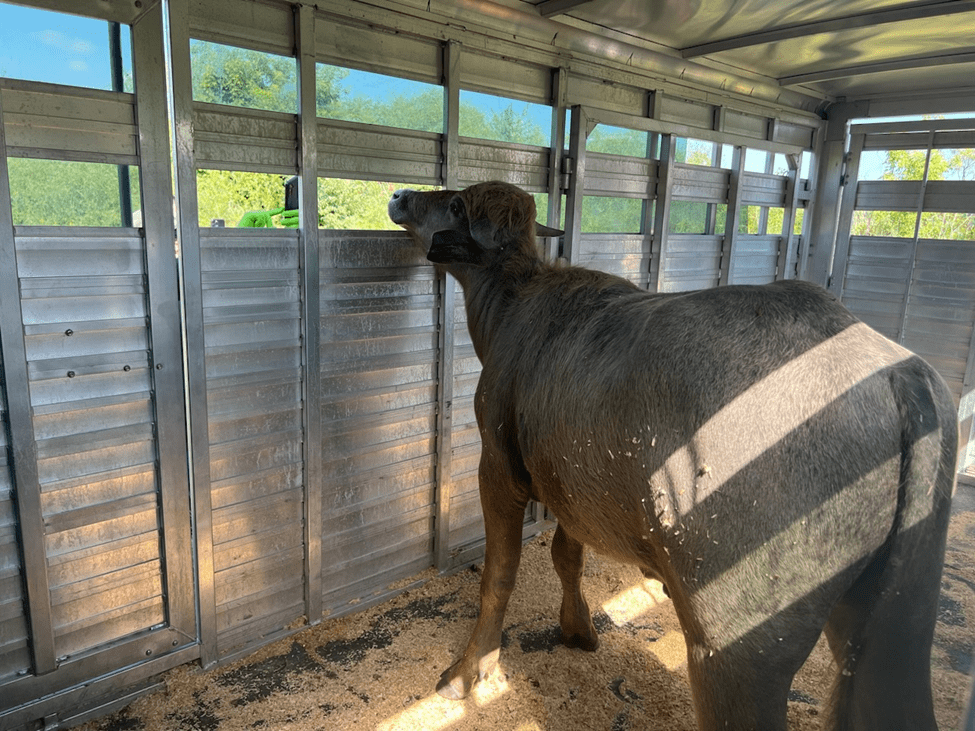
<point x="764" y="190"/>
<point x="953" y="196"/>
<point x="619" y="176"/>
<point x="756" y="259"/>
<point x="252" y="327"/>
<point x="68" y="122"/>
<point x="877" y="273"/>
<point x="684" y="111"/>
<point x="597" y="93"/>
<point x="86" y="336"/>
<point x="699" y="183"/>
<point x="941" y="310"/>
<point x="14" y="651"/>
<point x="692" y="262"/>
<point x="379" y="393"/>
<point x="466" y="520"/>
<point x="378" y="51"/>
<point x="506" y="77"/>
<point x="626" y="255"/>
<point x="888" y="195"/>
<point x="523" y="165"/>
<point x="264" y="26"/>
<point x="350" y="150"/>
<point x="233" y="138"/>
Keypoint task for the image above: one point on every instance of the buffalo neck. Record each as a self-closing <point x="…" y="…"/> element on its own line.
<point x="489" y="294"/>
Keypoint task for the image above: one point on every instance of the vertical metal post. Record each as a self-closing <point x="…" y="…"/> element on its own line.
<point x="22" y="445"/>
<point x="841" y="249"/>
<point x="311" y="308"/>
<point x="191" y="268"/>
<point x="661" y="213"/>
<point x="579" y="129"/>
<point x="822" y="238"/>
<point x="118" y="84"/>
<point x="912" y="257"/>
<point x="555" y="157"/>
<point x="729" y="247"/>
<point x="445" y="323"/>
<point x="165" y="318"/>
<point x="802" y="265"/>
<point x="786" y="268"/>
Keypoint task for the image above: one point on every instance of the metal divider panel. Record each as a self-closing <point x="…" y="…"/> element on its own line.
<point x="618" y="175"/>
<point x="901" y="195"/>
<point x="941" y="308"/>
<point x="466" y="519"/>
<point x="523" y="165"/>
<point x="700" y="183"/>
<point x="759" y="189"/>
<point x="877" y="274"/>
<point x="379" y="355"/>
<point x="348" y="149"/>
<point x="693" y="262"/>
<point x="247" y="139"/>
<point x="14" y="651"/>
<point x="83" y="296"/>
<point x="90" y="123"/>
<point x="625" y="255"/>
<point x="756" y="259"/>
<point x="252" y="332"/>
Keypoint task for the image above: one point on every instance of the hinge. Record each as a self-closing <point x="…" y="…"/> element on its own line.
<point x="566" y="175"/>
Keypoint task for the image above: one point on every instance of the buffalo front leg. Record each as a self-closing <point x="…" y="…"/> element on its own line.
<point x="503" y="532"/>
<point x="569" y="558"/>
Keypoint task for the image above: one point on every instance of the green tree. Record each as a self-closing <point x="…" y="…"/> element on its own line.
<point x="64" y="193"/>
<point x="909" y="165"/>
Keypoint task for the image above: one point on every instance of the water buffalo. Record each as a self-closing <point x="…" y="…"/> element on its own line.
<point x="778" y="465"/>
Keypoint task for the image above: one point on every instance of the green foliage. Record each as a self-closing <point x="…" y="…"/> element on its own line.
<point x="229" y="194"/>
<point x="61" y="193"/>
<point x="909" y="165"/>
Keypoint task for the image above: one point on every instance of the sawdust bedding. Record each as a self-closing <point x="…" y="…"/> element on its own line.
<point x="376" y="670"/>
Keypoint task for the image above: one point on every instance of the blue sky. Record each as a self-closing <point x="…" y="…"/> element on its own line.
<point x="41" y="45"/>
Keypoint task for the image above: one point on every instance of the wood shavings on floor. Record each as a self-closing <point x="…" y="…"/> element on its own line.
<point x="376" y="670"/>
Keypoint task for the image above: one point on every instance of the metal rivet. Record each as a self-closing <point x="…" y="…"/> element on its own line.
<point x="158" y="366"/>
<point x="69" y="332"/>
<point x="148" y="652"/>
<point x="126" y="368"/>
<point x="70" y="374"/>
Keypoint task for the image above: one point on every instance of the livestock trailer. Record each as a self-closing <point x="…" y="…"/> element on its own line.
<point x="215" y="435"/>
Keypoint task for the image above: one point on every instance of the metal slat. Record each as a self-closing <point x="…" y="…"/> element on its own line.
<point x="310" y="265"/>
<point x="382" y="414"/>
<point x="22" y="446"/>
<point x="192" y="297"/>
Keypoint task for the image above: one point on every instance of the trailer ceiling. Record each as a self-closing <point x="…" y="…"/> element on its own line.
<point x="835" y="49"/>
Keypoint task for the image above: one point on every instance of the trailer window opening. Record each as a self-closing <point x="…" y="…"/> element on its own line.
<point x="607" y="214"/>
<point x="58" y="48"/>
<point x="350" y="95"/>
<point x="345" y="203"/>
<point x="502" y="119"/>
<point x="618" y="141"/>
<point x="70" y="193"/>
<point x="241" y="77"/>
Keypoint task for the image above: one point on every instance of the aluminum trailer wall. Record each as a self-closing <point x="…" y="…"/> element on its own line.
<point x="192" y="469"/>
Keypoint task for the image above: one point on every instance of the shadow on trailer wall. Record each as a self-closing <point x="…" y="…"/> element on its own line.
<point x="212" y="444"/>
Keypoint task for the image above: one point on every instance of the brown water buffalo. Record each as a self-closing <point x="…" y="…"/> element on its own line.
<point x="778" y="465"/>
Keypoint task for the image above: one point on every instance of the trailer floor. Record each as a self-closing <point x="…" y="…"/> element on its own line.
<point x="376" y="670"/>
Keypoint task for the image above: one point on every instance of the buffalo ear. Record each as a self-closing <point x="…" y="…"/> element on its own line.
<point x="543" y="231"/>
<point x="454" y="247"/>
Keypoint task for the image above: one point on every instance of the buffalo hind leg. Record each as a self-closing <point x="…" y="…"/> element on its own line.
<point x="880" y="634"/>
<point x="502" y="554"/>
<point x="569" y="558"/>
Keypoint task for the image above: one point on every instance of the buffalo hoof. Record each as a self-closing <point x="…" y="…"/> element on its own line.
<point x="454" y="684"/>
<point x="589" y="643"/>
